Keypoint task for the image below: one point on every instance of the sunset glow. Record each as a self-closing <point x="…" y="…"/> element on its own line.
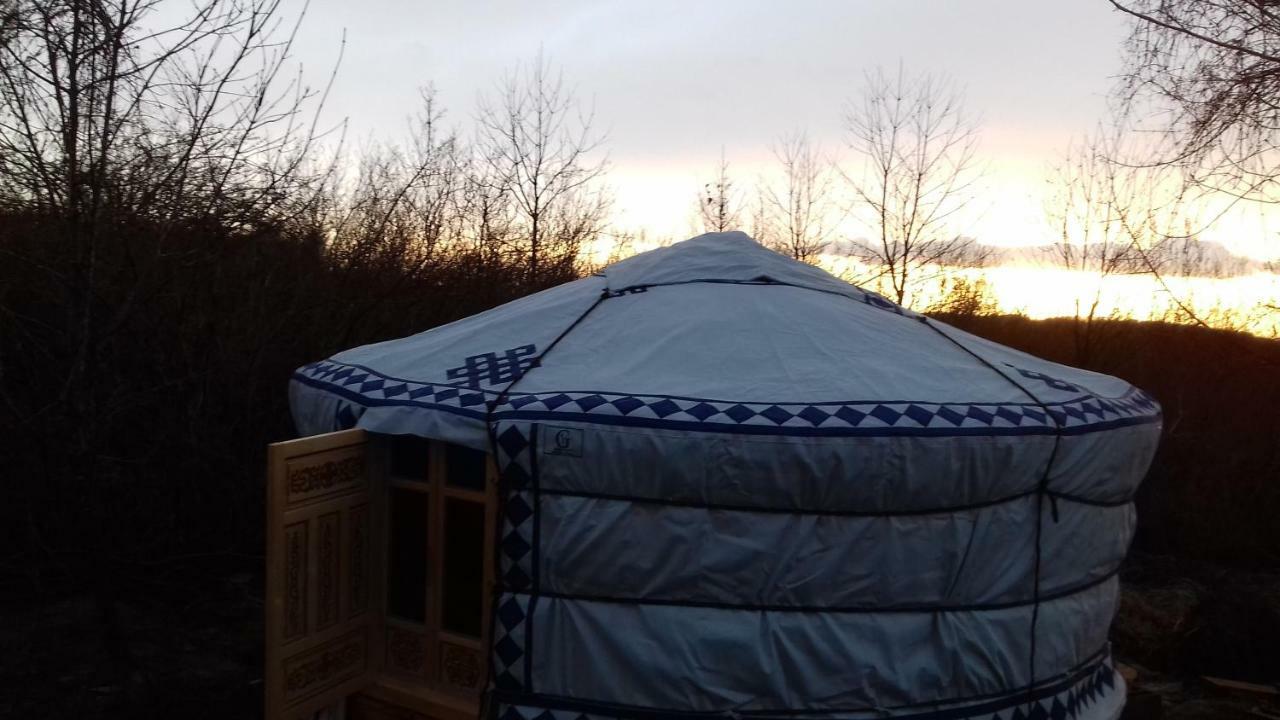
<point x="669" y="102"/>
<point x="1049" y="292"/>
<point x="1008" y="211"/>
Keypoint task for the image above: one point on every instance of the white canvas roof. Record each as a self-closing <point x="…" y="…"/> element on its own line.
<point x="737" y="484"/>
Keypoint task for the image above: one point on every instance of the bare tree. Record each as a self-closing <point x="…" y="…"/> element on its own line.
<point x="97" y="108"/>
<point x="487" y="211"/>
<point x="1200" y="85"/>
<point x="1086" y="209"/>
<point x="1139" y="216"/>
<point x="916" y="145"/>
<point x="797" y="211"/>
<point x="404" y="212"/>
<point x="1206" y="73"/>
<point x="719" y="201"/>
<point x="538" y="144"/>
<point x="132" y="144"/>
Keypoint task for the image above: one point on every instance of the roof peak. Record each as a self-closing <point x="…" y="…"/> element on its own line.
<point x="730" y="257"/>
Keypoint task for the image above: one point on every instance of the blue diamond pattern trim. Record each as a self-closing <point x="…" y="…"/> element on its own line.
<point x="664" y="407"/>
<point x="777" y="414"/>
<point x="508" y="650"/>
<point x="590" y="401"/>
<point x="813" y="415"/>
<point x="1082" y="414"/>
<point x="515" y="546"/>
<point x="514" y="448"/>
<point x="1056" y="701"/>
<point x="517" y="509"/>
<point x="886" y="414"/>
<point x="702" y="411"/>
<point x="627" y="404"/>
<point x="919" y="414"/>
<point x="512" y="442"/>
<point x="347" y="416"/>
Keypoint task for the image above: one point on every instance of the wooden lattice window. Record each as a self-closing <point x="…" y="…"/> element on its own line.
<point x="440" y="516"/>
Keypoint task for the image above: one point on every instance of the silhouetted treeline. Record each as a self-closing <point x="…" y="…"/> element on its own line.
<point x="185" y="392"/>
<point x="178" y="232"/>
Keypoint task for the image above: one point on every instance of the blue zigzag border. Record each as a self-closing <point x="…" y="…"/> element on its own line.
<point x="1083" y="414"/>
<point x="1066" y="699"/>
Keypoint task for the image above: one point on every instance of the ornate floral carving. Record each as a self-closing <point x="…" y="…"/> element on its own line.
<point x="461" y="665"/>
<point x="295" y="578"/>
<point x="327" y="574"/>
<point x="406" y="651"/>
<point x="314" y="670"/>
<point x="358" y="527"/>
<point x="311" y="479"/>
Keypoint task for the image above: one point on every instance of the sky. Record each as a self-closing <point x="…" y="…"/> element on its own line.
<point x="674" y="83"/>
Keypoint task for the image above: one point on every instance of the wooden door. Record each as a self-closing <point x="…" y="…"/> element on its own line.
<point x="324" y="573"/>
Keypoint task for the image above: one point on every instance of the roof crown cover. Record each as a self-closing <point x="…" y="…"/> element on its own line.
<point x="734" y="484"/>
<point x="722" y="257"/>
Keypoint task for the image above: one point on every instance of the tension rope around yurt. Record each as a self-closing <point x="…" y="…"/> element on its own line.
<point x="732" y="484"/>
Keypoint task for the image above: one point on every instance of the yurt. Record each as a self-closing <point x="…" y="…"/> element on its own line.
<point x="706" y="482"/>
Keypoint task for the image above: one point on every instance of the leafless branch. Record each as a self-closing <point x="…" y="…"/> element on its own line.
<point x="916" y="145"/>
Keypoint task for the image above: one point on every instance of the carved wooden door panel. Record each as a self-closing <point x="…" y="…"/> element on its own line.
<point x="324" y="576"/>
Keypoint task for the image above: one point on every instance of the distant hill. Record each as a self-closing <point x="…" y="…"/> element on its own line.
<point x="1189" y="257"/>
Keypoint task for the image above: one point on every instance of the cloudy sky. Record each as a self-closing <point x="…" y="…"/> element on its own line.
<point x="672" y="83"/>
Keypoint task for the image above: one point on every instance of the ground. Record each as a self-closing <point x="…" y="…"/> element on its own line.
<point x="192" y="648"/>
<point x="1180" y="621"/>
